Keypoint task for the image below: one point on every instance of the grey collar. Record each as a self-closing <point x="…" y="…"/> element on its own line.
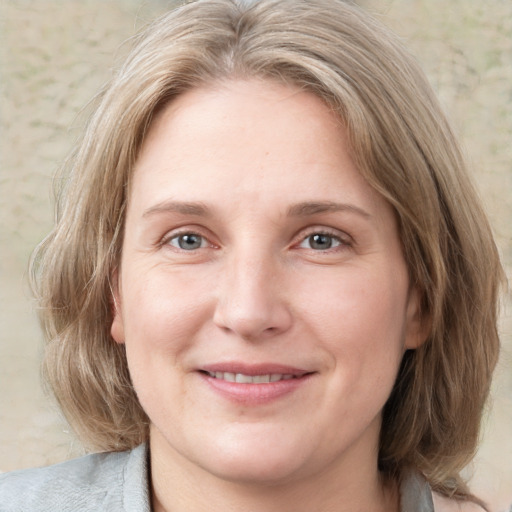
<point x="415" y="493"/>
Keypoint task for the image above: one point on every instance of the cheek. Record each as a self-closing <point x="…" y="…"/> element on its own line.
<point x="359" y="301"/>
<point x="166" y="308"/>
<point x="361" y="321"/>
<point x="160" y="326"/>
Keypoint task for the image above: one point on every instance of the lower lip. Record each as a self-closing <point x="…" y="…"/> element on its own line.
<point x="255" y="394"/>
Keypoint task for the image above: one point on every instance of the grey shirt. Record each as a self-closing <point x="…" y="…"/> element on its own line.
<point x="118" y="482"/>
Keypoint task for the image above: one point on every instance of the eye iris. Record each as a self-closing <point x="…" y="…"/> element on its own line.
<point x="188" y="242"/>
<point x="320" y="241"/>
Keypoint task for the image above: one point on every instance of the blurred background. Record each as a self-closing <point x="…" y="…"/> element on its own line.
<point x="54" y="56"/>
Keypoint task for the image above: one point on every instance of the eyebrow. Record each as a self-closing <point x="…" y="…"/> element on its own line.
<point x="303" y="209"/>
<point x="184" y="208"/>
<point x="316" y="207"/>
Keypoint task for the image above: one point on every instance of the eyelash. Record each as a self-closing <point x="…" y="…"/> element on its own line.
<point x="341" y="242"/>
<point x="176" y="236"/>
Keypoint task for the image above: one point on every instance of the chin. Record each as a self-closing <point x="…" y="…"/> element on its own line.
<point x="258" y="471"/>
<point x="268" y="460"/>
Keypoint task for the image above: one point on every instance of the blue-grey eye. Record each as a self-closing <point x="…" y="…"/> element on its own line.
<point x="188" y="241"/>
<point x="320" y="242"/>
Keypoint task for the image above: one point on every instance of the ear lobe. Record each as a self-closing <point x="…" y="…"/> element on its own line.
<point x="418" y="324"/>
<point x="117" y="327"/>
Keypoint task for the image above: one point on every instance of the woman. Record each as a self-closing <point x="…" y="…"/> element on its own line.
<point x="270" y="279"/>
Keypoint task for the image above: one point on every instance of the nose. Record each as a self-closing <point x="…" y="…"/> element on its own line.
<point x="251" y="300"/>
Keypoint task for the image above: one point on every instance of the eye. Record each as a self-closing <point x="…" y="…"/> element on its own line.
<point x="321" y="242"/>
<point x="188" y="241"/>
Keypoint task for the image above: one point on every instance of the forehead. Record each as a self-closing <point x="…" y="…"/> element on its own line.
<point x="256" y="140"/>
<point x="255" y="108"/>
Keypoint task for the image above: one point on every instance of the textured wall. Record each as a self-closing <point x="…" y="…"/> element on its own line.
<point x="56" y="54"/>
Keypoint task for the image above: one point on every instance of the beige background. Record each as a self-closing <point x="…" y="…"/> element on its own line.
<point x="56" y="54"/>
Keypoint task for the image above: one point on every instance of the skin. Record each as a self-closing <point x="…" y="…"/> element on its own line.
<point x="251" y="170"/>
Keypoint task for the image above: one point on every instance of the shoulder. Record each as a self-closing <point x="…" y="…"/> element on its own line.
<point x="442" y="504"/>
<point x="93" y="482"/>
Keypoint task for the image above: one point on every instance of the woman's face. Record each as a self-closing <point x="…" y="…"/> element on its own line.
<point x="262" y="296"/>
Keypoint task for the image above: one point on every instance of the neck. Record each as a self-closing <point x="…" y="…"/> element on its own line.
<point x="178" y="485"/>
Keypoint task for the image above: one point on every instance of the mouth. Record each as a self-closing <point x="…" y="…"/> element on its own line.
<point x="254" y="384"/>
<point x="251" y="384"/>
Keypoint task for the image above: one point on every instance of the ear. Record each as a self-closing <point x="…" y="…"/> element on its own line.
<point x="117" y="327"/>
<point x="418" y="323"/>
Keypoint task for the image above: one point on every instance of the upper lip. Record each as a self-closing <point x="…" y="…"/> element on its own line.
<point x="254" y="369"/>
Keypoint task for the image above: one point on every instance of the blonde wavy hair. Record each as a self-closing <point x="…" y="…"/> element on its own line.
<point x="402" y="145"/>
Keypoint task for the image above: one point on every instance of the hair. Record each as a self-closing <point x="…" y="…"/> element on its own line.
<point x="402" y="145"/>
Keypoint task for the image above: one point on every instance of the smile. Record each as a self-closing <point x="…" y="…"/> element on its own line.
<point x="251" y="379"/>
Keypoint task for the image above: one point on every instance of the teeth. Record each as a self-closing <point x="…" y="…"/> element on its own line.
<point x="243" y="379"/>
<point x="250" y="379"/>
<point x="261" y="379"/>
